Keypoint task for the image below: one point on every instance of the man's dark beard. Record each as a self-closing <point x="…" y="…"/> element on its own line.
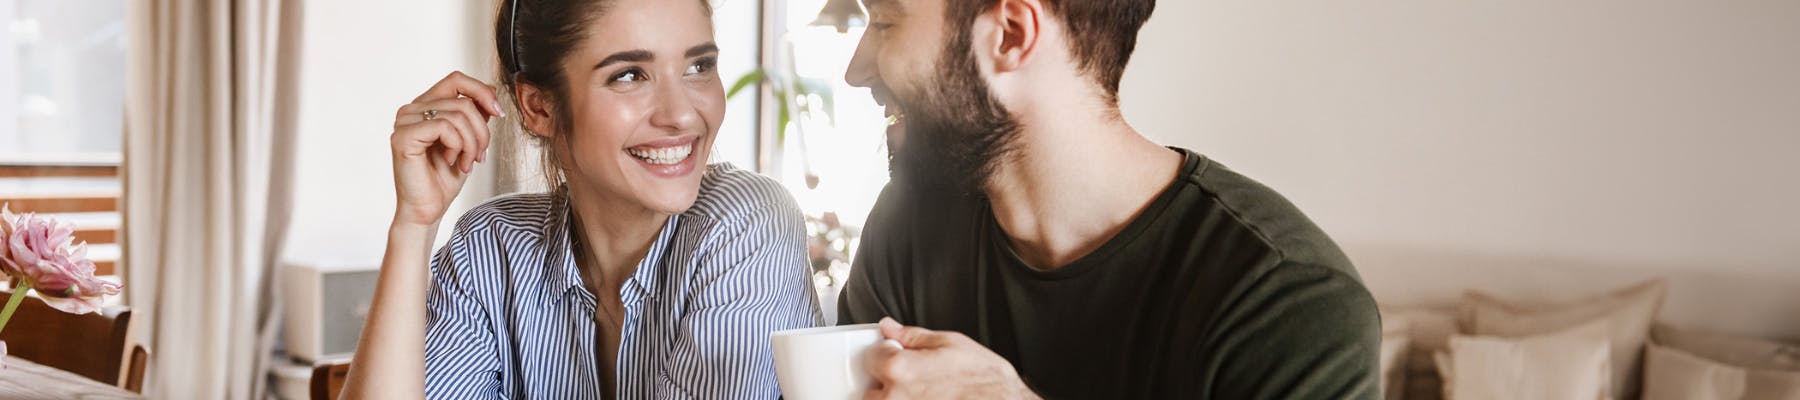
<point x="958" y="133"/>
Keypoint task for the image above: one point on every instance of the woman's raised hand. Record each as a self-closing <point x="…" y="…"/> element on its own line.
<point x="437" y="140"/>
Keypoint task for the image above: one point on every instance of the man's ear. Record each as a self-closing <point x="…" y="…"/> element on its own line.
<point x="1019" y="24"/>
<point x="535" y="106"/>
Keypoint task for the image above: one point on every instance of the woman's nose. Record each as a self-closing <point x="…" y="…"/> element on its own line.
<point x="675" y="109"/>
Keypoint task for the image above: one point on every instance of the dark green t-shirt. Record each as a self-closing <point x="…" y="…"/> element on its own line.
<point x="1219" y="289"/>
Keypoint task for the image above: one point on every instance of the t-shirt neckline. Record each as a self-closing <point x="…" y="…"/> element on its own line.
<point x="996" y="237"/>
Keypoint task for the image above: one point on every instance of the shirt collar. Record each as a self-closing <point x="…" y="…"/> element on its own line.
<point x="563" y="277"/>
<point x="560" y="272"/>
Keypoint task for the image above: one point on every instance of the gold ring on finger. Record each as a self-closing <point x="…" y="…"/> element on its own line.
<point x="431" y="114"/>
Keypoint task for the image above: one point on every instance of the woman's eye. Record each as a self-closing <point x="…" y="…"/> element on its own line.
<point x="702" y="66"/>
<point x="629" y="75"/>
<point x="877" y="26"/>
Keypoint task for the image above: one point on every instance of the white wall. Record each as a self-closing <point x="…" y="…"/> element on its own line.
<point x="361" y="60"/>
<point x="737" y="31"/>
<point x="1537" y="148"/>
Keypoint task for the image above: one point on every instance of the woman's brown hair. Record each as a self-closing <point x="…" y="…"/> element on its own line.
<point x="533" y="37"/>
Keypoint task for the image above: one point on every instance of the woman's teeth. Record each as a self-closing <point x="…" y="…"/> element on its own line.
<point x="662" y="155"/>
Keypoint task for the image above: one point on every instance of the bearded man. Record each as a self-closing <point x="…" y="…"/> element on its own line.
<point x="1033" y="244"/>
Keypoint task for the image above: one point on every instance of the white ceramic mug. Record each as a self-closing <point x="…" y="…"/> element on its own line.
<point x="824" y="363"/>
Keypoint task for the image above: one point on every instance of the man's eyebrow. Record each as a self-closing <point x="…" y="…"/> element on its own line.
<point x="702" y="49"/>
<point x="889" y="6"/>
<point x="639" y="55"/>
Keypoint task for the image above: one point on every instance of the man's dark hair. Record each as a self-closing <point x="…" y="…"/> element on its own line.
<point x="1102" y="33"/>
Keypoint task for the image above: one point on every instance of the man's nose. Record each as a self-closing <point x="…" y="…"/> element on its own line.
<point x="862" y="71"/>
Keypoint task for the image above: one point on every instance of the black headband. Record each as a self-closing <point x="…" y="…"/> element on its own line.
<point x="512" y="36"/>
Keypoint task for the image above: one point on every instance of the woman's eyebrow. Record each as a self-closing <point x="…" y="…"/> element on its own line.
<point x="702" y="49"/>
<point x="639" y="55"/>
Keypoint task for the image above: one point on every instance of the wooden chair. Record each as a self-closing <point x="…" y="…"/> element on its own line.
<point x="134" y="371"/>
<point x="90" y="345"/>
<point x="328" y="380"/>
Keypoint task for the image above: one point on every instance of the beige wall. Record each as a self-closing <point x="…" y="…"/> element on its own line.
<point x="1538" y="148"/>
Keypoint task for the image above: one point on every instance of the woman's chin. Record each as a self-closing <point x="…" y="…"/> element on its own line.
<point x="674" y="194"/>
<point x="672" y="202"/>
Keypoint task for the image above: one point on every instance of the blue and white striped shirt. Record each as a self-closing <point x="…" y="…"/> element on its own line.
<point x="509" y="317"/>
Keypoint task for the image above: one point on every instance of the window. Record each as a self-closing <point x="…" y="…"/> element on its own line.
<point x="62" y="89"/>
<point x="832" y="156"/>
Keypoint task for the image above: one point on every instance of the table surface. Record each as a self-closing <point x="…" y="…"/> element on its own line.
<point x="22" y="379"/>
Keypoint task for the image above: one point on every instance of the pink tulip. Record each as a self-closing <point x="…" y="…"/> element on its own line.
<point x="40" y="252"/>
<point x="7" y="220"/>
<point x="6" y="223"/>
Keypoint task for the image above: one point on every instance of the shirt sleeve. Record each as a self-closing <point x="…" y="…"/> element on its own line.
<point x="460" y="358"/>
<point x="1298" y="332"/>
<point x="763" y="284"/>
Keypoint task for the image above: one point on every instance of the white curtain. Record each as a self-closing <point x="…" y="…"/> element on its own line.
<point x="207" y="166"/>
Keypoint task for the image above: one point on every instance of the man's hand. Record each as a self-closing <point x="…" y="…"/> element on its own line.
<point x="918" y="363"/>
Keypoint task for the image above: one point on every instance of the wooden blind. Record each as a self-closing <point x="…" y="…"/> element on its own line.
<point x="45" y="197"/>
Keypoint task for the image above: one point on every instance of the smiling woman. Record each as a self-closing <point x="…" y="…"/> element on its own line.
<point x="643" y="272"/>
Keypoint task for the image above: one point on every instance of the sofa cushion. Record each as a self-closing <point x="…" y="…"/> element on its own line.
<point x="1626" y="313"/>
<point x="1683" y="364"/>
<point x="1572" y="364"/>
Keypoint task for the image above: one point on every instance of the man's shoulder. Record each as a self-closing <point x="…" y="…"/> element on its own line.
<point x="1241" y="203"/>
<point x="919" y="235"/>
<point x="909" y="216"/>
<point x="1299" y="268"/>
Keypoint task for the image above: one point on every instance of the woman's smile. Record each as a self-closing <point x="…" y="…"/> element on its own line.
<point x="672" y="157"/>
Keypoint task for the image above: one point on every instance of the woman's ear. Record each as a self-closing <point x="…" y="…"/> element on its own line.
<point x="535" y="107"/>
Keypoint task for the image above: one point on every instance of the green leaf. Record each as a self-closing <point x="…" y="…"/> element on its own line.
<point x="754" y="76"/>
<point x="782" y="115"/>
